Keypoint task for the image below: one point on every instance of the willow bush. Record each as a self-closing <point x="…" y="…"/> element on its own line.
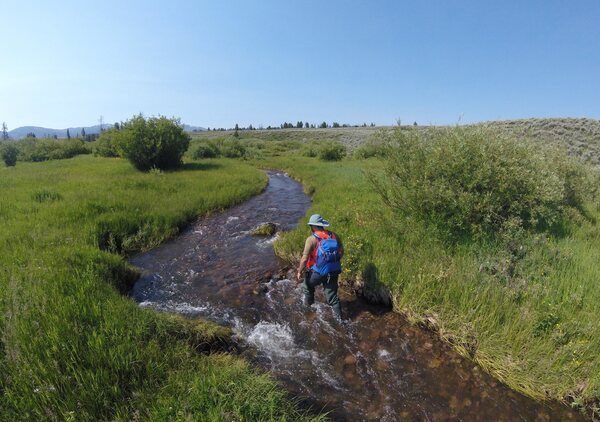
<point x="105" y="146"/>
<point x="9" y="153"/>
<point x="156" y="142"/>
<point x="37" y="150"/>
<point x="473" y="182"/>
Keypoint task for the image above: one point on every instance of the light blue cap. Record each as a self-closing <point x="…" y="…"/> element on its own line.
<point x="317" y="220"/>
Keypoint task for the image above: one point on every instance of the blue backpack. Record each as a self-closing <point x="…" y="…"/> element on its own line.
<point x="328" y="256"/>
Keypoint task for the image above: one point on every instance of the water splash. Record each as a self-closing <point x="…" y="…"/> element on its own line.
<point x="276" y="340"/>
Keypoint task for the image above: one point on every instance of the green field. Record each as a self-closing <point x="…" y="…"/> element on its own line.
<point x="73" y="347"/>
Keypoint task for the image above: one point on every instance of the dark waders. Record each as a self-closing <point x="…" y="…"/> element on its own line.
<point x="330" y="285"/>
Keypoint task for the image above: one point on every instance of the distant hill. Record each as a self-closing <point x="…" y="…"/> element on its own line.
<point x="43" y="132"/>
<point x="189" y="128"/>
<point x="581" y="136"/>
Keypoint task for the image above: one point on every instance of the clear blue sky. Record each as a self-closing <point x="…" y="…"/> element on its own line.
<point x="65" y="63"/>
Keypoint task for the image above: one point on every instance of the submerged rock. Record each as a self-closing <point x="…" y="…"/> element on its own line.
<point x="350" y="360"/>
<point x="266" y="229"/>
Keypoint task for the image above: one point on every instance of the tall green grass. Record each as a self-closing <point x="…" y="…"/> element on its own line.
<point x="72" y="347"/>
<point x="526" y="312"/>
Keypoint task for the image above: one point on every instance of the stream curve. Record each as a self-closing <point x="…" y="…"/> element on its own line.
<point x="375" y="366"/>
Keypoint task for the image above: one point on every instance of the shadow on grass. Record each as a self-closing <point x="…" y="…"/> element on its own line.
<point x="373" y="298"/>
<point x="589" y="215"/>
<point x="200" y="166"/>
<point x="565" y="227"/>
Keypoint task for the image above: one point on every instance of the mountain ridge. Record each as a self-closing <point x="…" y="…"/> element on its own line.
<point x="44" y="132"/>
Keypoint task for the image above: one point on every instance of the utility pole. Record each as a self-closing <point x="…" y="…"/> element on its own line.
<point x="4" y="131"/>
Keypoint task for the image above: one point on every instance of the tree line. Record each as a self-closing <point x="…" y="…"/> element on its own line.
<point x="290" y="125"/>
<point x="285" y="125"/>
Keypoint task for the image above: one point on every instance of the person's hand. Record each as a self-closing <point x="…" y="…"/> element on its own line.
<point x="299" y="276"/>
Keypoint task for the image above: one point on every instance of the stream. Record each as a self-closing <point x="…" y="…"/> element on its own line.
<point x="374" y="366"/>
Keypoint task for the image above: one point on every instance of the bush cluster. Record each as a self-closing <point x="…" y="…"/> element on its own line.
<point x="331" y="151"/>
<point x="369" y="149"/>
<point x="8" y="153"/>
<point x="325" y="150"/>
<point x="32" y="149"/>
<point x="156" y="142"/>
<point x="473" y="182"/>
<point x="104" y="146"/>
<point x="221" y="147"/>
<point x="310" y="149"/>
<point x="232" y="148"/>
<point x="205" y="150"/>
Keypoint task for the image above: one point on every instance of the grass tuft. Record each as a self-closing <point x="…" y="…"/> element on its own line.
<point x="266" y="229"/>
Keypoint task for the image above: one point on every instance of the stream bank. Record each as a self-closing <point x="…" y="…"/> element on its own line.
<point x="376" y="366"/>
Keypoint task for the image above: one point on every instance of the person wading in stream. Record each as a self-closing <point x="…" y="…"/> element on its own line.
<point x="323" y="251"/>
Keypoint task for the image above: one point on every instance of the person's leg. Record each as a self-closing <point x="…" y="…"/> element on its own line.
<point x="330" y="285"/>
<point x="309" y="289"/>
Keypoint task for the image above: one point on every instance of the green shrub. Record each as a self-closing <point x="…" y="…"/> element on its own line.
<point x="154" y="142"/>
<point x="473" y="182"/>
<point x="206" y="150"/>
<point x="310" y="149"/>
<point x="32" y="149"/>
<point x="331" y="151"/>
<point x="229" y="147"/>
<point x="369" y="149"/>
<point x="104" y="146"/>
<point x="254" y="154"/>
<point x="233" y="148"/>
<point x="9" y="153"/>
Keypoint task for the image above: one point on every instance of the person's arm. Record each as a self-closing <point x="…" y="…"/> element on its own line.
<point x="301" y="266"/>
<point x="308" y="245"/>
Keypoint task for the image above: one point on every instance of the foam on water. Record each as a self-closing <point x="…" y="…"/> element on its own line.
<point x="179" y="307"/>
<point x="276" y="340"/>
<point x="383" y="354"/>
<point x="267" y="242"/>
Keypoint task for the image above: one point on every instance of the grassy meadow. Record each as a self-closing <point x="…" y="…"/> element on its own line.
<point x="537" y="333"/>
<point x="528" y="316"/>
<point x="73" y="347"/>
<point x="580" y="136"/>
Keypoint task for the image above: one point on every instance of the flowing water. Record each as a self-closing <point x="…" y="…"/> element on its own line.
<point x="374" y="366"/>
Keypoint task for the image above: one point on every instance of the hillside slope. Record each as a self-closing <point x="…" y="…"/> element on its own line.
<point x="581" y="136"/>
